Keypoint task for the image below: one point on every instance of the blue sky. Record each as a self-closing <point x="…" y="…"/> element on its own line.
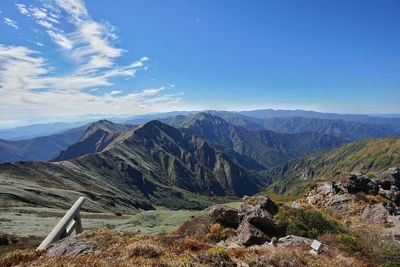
<point x="68" y="59"/>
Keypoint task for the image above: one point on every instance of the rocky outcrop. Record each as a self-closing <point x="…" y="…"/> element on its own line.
<point x="224" y="215"/>
<point x="254" y="221"/>
<point x="355" y="182"/>
<point x="356" y="194"/>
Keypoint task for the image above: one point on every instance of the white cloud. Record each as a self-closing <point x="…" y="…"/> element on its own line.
<point x="22" y="8"/>
<point x="60" y="39"/>
<point x="30" y="87"/>
<point x="45" y="24"/>
<point x="11" y="23"/>
<point x="75" y="8"/>
<point x="38" y="13"/>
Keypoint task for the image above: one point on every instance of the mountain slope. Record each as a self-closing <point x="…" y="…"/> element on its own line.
<point x="39" y="148"/>
<point x="265" y="147"/>
<point x="368" y="156"/>
<point x="154" y="164"/>
<point x="96" y="138"/>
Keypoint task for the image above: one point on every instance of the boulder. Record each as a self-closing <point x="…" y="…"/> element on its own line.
<point x="393" y="194"/>
<point x="389" y="177"/>
<point x="224" y="215"/>
<point x="375" y="213"/>
<point x="355" y="182"/>
<point x="262" y="202"/>
<point x="256" y="220"/>
<point x="71" y="246"/>
<point x="248" y="234"/>
<point x="256" y="215"/>
<point x="372" y="187"/>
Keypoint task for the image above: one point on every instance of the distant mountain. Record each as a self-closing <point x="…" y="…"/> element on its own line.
<point x="346" y="130"/>
<point x="141" y="119"/>
<point x="389" y="120"/>
<point x="343" y="129"/>
<point x="39" y="148"/>
<point x="369" y="155"/>
<point x="95" y="139"/>
<point x="266" y="147"/>
<point x="154" y="164"/>
<point x="38" y="130"/>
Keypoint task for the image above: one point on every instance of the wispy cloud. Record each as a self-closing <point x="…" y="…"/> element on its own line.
<point x="11" y="23"/>
<point x="31" y="86"/>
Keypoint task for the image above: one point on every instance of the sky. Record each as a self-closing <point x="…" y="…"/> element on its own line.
<point x="63" y="60"/>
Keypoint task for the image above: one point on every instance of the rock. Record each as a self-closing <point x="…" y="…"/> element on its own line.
<point x="263" y="202"/>
<point x="257" y="216"/>
<point x="294" y="240"/>
<point x="375" y="213"/>
<point x="248" y="234"/>
<point x="71" y="246"/>
<point x="224" y="215"/>
<point x="388" y="178"/>
<point x="355" y="182"/>
<point x="372" y="187"/>
<point x="338" y="203"/>
<point x="296" y="204"/>
<point x="256" y="220"/>
<point x="393" y="194"/>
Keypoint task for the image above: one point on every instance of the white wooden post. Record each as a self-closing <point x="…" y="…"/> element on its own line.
<point x="70" y="222"/>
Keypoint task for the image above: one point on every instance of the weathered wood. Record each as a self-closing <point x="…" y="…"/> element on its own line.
<point x="70" y="222"/>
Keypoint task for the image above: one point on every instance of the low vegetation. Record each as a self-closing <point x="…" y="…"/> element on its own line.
<point x="306" y="223"/>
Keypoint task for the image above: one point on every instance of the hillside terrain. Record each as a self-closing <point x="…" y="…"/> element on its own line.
<point x="266" y="147"/>
<point x="152" y="165"/>
<point x="367" y="156"/>
<point x="97" y="137"/>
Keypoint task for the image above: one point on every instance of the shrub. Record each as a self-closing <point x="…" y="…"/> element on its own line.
<point x="195" y="245"/>
<point x="305" y="223"/>
<point x="145" y="250"/>
<point x="218" y="233"/>
<point x="216" y="256"/>
<point x="351" y="242"/>
<point x="196" y="228"/>
<point x="18" y="257"/>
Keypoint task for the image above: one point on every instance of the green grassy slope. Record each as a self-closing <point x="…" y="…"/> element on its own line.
<point x="367" y="156"/>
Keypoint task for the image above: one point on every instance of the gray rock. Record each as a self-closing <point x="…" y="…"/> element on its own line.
<point x="256" y="216"/>
<point x="294" y="240"/>
<point x="393" y="194"/>
<point x="375" y="213"/>
<point x="262" y="202"/>
<point x="256" y="220"/>
<point x="71" y="246"/>
<point x="248" y="234"/>
<point x="225" y="215"/>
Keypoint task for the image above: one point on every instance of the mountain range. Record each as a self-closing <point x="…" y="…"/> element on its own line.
<point x="187" y="161"/>
<point x="39" y="148"/>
